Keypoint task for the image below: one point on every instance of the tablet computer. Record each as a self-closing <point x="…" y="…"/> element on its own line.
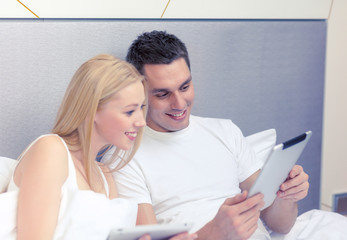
<point x="277" y="167"/>
<point x="156" y="231"/>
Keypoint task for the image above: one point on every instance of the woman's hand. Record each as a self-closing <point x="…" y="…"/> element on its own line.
<point x="181" y="236"/>
<point x="185" y="236"/>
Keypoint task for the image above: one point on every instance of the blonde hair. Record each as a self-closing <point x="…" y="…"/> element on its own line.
<point x="92" y="85"/>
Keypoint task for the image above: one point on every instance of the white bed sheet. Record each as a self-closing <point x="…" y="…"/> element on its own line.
<point x="316" y="225"/>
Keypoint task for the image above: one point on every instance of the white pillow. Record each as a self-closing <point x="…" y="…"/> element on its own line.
<point x="262" y="143"/>
<point x="7" y="166"/>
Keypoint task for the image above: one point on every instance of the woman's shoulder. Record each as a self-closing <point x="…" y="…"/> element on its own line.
<point x="50" y="144"/>
<point x="46" y="154"/>
<point x="49" y="138"/>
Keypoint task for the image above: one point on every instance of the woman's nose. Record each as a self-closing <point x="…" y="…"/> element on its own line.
<point x="140" y="122"/>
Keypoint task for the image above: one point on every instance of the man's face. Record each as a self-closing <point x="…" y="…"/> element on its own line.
<point x="170" y="95"/>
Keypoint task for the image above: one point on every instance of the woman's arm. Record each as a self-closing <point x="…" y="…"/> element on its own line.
<point x="40" y="176"/>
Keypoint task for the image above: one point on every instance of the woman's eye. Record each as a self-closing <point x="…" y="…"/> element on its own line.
<point x="129" y="113"/>
<point x="143" y="106"/>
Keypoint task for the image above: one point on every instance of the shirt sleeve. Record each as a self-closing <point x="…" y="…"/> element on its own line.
<point x="246" y="159"/>
<point x="131" y="183"/>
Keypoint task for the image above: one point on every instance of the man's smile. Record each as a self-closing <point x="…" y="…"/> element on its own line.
<point x="177" y="116"/>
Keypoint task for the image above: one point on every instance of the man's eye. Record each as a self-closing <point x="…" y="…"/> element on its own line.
<point x="143" y="106"/>
<point x="185" y="87"/>
<point x="162" y="95"/>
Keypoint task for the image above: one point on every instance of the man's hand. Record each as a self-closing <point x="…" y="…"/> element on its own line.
<point x="296" y="186"/>
<point x="236" y="219"/>
<point x="281" y="215"/>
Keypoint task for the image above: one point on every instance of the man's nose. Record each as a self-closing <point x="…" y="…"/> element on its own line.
<point x="177" y="101"/>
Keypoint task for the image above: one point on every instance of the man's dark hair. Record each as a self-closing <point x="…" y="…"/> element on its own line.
<point x="156" y="47"/>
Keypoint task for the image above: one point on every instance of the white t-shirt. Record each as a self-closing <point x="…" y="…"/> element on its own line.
<point x="187" y="175"/>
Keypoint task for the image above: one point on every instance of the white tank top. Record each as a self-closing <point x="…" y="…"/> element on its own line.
<point x="72" y="172"/>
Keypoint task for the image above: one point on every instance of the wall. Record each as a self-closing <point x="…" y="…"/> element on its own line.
<point x="334" y="179"/>
<point x="334" y="163"/>
<point x="261" y="74"/>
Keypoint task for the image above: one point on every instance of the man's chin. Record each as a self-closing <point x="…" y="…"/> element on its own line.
<point x="170" y="128"/>
<point x="179" y="127"/>
<point x="169" y="124"/>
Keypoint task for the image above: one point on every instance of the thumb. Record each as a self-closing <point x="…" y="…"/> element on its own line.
<point x="236" y="199"/>
<point x="145" y="237"/>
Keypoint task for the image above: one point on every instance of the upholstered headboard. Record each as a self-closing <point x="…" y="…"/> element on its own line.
<point x="261" y="74"/>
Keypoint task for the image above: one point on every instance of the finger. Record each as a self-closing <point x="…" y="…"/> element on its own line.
<point x="253" y="227"/>
<point x="145" y="237"/>
<point x="248" y="227"/>
<point x="294" y="182"/>
<point x="295" y="197"/>
<point x="253" y="211"/>
<point x="296" y="170"/>
<point x="192" y="236"/>
<point x="296" y="193"/>
<point x="304" y="186"/>
<point x="255" y="201"/>
<point x="236" y="199"/>
<point x="291" y="191"/>
<point x="247" y="219"/>
<point x="184" y="236"/>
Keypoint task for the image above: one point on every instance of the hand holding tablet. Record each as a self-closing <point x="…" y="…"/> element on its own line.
<point x="156" y="231"/>
<point x="277" y="167"/>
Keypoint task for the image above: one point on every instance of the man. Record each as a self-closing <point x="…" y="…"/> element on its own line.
<point x="193" y="169"/>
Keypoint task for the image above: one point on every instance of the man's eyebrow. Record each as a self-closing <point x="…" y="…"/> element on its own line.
<point x="158" y="90"/>
<point x="187" y="81"/>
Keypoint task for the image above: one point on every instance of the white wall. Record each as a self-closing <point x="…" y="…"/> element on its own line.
<point x="334" y="168"/>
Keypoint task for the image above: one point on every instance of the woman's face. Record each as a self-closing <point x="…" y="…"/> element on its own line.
<point x="118" y="120"/>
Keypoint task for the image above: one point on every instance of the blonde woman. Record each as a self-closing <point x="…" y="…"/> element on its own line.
<point x="62" y="192"/>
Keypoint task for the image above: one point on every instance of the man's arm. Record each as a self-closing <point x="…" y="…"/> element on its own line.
<point x="237" y="217"/>
<point x="281" y="215"/>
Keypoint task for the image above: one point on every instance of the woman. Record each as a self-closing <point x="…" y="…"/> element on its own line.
<point x="62" y="192"/>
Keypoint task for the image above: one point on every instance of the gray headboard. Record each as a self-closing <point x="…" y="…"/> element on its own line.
<point x="261" y="74"/>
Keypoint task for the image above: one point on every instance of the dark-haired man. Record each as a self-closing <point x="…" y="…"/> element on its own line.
<point x="194" y="169"/>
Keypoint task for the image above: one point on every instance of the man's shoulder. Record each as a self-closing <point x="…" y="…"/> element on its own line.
<point x="220" y="126"/>
<point x="210" y="120"/>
